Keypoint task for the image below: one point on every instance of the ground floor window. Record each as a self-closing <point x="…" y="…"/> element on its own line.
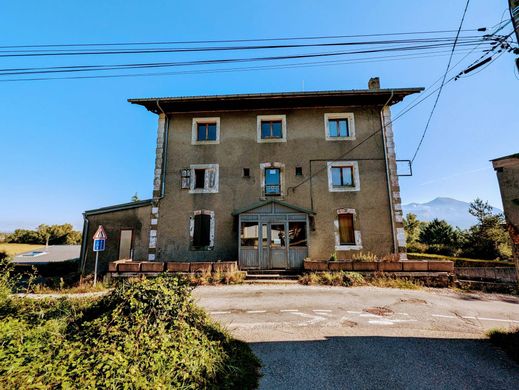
<point x="347" y="233"/>
<point x="249" y="234"/>
<point x="202" y="230"/>
<point x="297" y="234"/>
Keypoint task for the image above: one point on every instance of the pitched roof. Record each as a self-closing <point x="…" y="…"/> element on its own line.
<point x="119" y="207"/>
<point x="277" y="100"/>
<point x="270" y="201"/>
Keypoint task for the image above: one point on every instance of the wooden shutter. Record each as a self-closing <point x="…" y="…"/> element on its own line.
<point x="346" y="229"/>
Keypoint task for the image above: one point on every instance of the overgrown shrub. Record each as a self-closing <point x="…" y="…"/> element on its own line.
<point x="364" y="256"/>
<point x="146" y="333"/>
<point x="340" y="278"/>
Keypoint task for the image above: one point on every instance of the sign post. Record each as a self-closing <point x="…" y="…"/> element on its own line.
<point x="99" y="246"/>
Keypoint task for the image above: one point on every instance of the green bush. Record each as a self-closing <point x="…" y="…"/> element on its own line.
<point x="339" y="278"/>
<point x="145" y="334"/>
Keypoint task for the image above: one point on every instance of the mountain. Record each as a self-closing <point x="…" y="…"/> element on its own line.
<point x="453" y="211"/>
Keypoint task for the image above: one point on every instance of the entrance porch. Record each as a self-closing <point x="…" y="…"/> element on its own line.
<point x="272" y="235"/>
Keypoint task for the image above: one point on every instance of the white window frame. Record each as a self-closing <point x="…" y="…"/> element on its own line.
<point x="356" y="176"/>
<point x="194" y="130"/>
<point x="211" y="229"/>
<point x="281" y="168"/>
<point x="340" y="115"/>
<point x="358" y="240"/>
<point x="282" y="118"/>
<point x="206" y="189"/>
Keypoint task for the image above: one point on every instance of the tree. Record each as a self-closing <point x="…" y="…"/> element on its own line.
<point x="488" y="239"/>
<point x="47" y="234"/>
<point x="135" y="198"/>
<point x="441" y="237"/>
<point x="412" y="227"/>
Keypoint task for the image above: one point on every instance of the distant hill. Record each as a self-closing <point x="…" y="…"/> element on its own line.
<point x="456" y="212"/>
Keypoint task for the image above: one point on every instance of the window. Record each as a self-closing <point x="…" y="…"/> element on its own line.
<point x="343" y="176"/>
<point x="339" y="126"/>
<point x="185" y="175"/>
<point x="272" y="181"/>
<point x="246" y="172"/>
<point x="249" y="234"/>
<point x="201" y="230"/>
<point x="205" y="131"/>
<point x="203" y="178"/>
<point x="297" y="233"/>
<point x="347" y="235"/>
<point x="299" y="171"/>
<point x="271" y="128"/>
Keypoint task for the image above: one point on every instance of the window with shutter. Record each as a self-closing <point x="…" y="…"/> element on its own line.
<point x="202" y="230"/>
<point x="204" y="178"/>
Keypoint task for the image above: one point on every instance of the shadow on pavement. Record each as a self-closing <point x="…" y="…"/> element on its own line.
<point x="385" y="363"/>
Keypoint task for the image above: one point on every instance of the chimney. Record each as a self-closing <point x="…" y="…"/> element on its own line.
<point x="374" y="83"/>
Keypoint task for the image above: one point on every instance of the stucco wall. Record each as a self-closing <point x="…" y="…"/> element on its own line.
<point x="508" y="178"/>
<point x="238" y="149"/>
<point x="137" y="219"/>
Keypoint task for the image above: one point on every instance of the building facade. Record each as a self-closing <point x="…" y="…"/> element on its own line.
<point x="270" y="179"/>
<point x="507" y="171"/>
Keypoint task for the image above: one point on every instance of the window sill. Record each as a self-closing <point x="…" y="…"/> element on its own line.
<point x="344" y="189"/>
<point x="350" y="138"/>
<point x="271" y="140"/>
<point x="216" y="142"/>
<point x="203" y="191"/>
<point x="348" y="247"/>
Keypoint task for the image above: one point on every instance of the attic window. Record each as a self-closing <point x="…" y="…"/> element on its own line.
<point x="205" y="131"/>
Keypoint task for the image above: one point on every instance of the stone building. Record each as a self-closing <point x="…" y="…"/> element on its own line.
<point x="507" y="170"/>
<point x="265" y="179"/>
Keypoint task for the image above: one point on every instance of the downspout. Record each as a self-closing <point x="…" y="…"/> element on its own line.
<point x="388" y="176"/>
<point x="84" y="245"/>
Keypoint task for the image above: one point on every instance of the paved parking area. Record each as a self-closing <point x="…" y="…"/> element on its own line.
<point x="336" y="338"/>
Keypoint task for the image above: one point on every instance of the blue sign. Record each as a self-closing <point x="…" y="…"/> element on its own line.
<point x="99" y="245"/>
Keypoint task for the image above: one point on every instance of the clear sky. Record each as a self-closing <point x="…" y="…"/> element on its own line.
<point x="71" y="145"/>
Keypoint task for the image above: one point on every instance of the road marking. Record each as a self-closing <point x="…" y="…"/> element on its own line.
<point x="476" y="318"/>
<point x="369" y="315"/>
<point x="322" y="310"/>
<point x="381" y="322"/>
<point x="313" y="319"/>
<point x="256" y="311"/>
<point x="353" y="312"/>
<point x="219" y="312"/>
<point x="403" y="314"/>
<point x="288" y="310"/>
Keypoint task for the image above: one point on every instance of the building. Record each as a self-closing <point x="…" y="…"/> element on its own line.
<point x="507" y="170"/>
<point x="266" y="179"/>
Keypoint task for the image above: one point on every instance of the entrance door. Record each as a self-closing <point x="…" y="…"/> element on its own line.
<point x="273" y="246"/>
<point x="125" y="244"/>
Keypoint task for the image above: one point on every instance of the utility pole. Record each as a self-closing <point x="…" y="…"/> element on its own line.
<point x="514" y="15"/>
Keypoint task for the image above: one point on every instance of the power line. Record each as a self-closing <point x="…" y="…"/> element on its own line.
<point x="442" y="83"/>
<point x="83" y="68"/>
<point x="249" y="68"/>
<point x="237" y="40"/>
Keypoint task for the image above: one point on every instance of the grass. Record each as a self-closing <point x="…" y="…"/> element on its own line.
<point x="14" y="249"/>
<point x="461" y="261"/>
<point x="353" y="279"/>
<point x="146" y="333"/>
<point x="214" y="278"/>
<point x="506" y="339"/>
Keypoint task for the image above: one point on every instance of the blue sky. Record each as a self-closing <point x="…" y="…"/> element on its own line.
<point x="71" y="145"/>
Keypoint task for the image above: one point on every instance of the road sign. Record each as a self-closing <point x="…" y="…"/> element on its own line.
<point x="99" y="245"/>
<point x="100" y="233"/>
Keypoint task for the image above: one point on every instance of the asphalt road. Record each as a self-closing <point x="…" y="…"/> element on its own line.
<point x="368" y="338"/>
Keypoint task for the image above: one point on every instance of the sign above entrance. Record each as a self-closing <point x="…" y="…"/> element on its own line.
<point x="100" y="233"/>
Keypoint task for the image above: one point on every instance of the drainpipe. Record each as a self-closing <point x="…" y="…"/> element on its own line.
<point x="388" y="175"/>
<point x="84" y="245"/>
